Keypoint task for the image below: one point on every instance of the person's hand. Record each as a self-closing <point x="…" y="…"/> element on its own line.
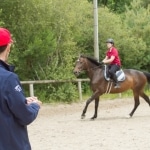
<point x="33" y="99"/>
<point x="38" y="102"/>
<point x="101" y="63"/>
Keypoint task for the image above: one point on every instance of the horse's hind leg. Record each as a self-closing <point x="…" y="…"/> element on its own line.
<point x="145" y="97"/>
<point x="136" y="103"/>
<point x="96" y="108"/>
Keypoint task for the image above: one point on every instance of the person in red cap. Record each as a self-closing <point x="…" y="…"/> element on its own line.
<point x="112" y="58"/>
<point x="16" y="110"/>
<point x="5" y="37"/>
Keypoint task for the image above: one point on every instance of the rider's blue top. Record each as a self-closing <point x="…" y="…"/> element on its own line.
<point x="15" y="114"/>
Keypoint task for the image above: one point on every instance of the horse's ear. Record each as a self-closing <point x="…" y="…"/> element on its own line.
<point x="83" y="56"/>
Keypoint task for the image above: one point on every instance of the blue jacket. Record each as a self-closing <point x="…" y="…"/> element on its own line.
<point x="15" y="114"/>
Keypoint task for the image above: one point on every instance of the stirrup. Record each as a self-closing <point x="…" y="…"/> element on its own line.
<point x="116" y="86"/>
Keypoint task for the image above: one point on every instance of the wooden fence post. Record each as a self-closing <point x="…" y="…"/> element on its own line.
<point x="80" y="90"/>
<point x="31" y="89"/>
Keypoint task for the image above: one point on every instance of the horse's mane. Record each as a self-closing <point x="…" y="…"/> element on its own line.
<point x="92" y="59"/>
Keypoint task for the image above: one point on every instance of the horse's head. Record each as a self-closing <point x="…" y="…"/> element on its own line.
<point x="86" y="63"/>
<point x="80" y="65"/>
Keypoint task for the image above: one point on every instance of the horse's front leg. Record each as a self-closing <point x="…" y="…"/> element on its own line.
<point x="96" y="108"/>
<point x="87" y="103"/>
<point x="85" y="108"/>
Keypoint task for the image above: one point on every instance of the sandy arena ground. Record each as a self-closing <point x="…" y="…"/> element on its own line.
<point x="59" y="127"/>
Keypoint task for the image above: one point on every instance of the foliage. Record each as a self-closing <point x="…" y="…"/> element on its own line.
<point x="50" y="34"/>
<point x="46" y="39"/>
<point x="1" y="22"/>
<point x="145" y="3"/>
<point x="112" y="26"/>
<point x="57" y="92"/>
<point x="117" y="6"/>
<point x="137" y="22"/>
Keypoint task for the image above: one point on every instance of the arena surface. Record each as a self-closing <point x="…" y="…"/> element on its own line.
<point x="59" y="127"/>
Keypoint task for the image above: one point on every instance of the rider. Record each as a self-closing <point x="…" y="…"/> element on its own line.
<point x="112" y="58"/>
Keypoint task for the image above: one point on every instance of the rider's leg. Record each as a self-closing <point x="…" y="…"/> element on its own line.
<point x="112" y="72"/>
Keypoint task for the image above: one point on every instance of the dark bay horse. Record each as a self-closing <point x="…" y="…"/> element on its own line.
<point x="135" y="80"/>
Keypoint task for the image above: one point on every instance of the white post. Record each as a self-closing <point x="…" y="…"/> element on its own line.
<point x="80" y="90"/>
<point x="120" y="95"/>
<point x="96" y="42"/>
<point x="31" y="89"/>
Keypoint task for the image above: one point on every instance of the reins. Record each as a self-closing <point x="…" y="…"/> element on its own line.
<point x="92" y="68"/>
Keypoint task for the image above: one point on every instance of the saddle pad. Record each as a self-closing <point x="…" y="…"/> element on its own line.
<point x="120" y="74"/>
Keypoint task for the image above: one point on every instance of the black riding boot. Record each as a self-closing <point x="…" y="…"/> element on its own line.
<point x="116" y="81"/>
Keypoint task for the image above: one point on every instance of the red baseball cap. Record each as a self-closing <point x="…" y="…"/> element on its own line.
<point x="5" y="37"/>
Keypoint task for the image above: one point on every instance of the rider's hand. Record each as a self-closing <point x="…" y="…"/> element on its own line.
<point x="101" y="63"/>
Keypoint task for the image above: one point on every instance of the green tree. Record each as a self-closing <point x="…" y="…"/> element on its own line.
<point x="137" y="21"/>
<point x="50" y="34"/>
<point x="117" y="6"/>
<point x="47" y="35"/>
<point x="1" y="23"/>
<point x="145" y="3"/>
<point x="112" y="25"/>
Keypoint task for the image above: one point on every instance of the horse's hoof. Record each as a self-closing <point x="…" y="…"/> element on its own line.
<point x="128" y="116"/>
<point x="83" y="116"/>
<point x="92" y="119"/>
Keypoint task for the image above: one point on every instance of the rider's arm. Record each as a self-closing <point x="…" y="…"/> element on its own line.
<point x="108" y="60"/>
<point x="105" y="58"/>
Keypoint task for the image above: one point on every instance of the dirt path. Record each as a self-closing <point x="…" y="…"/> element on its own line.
<point x="60" y="127"/>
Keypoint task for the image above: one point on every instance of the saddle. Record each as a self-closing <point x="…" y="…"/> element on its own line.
<point x="120" y="74"/>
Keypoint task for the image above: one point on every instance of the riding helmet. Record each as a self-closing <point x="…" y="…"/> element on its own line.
<point x="110" y="41"/>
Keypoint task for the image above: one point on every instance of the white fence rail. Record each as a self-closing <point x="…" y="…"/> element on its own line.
<point x="31" y="84"/>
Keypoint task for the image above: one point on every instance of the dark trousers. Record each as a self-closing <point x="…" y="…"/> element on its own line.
<point x="112" y="70"/>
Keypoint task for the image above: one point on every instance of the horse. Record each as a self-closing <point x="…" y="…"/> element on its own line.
<point x="134" y="80"/>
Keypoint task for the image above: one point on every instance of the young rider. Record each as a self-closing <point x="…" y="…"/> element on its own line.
<point x="112" y="58"/>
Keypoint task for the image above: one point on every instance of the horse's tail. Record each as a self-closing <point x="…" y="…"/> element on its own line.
<point x="147" y="76"/>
